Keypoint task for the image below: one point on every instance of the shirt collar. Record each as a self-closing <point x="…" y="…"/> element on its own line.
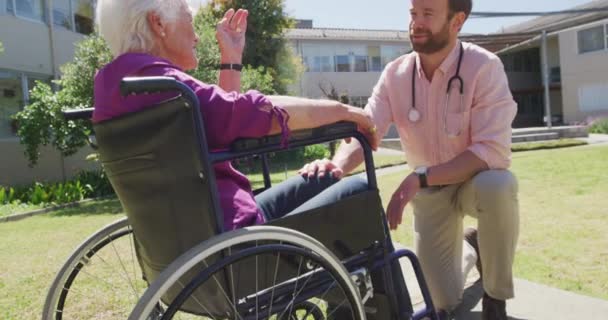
<point x="449" y="61"/>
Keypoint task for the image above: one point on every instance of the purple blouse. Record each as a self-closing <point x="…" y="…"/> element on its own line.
<point x="228" y="116"/>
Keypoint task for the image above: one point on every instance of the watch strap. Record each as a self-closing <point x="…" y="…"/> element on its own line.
<point x="231" y="66"/>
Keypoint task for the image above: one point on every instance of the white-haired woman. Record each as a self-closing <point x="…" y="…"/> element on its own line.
<point x="157" y="38"/>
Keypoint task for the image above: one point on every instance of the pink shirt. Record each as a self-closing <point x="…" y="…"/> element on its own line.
<point x="484" y="119"/>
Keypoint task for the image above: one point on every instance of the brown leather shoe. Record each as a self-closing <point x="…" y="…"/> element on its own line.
<point x="443" y="315"/>
<point x="493" y="309"/>
<point x="470" y="236"/>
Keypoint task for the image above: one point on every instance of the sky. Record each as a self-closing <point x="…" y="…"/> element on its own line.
<point x="393" y="14"/>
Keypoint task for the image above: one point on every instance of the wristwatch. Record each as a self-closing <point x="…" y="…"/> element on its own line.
<point x="231" y="66"/>
<point x="421" y="173"/>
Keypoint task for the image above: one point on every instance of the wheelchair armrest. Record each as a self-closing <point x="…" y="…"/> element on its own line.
<point x="330" y="132"/>
<point x="341" y="130"/>
<point x="78" y="114"/>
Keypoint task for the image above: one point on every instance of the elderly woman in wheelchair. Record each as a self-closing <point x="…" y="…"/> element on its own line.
<point x="186" y="249"/>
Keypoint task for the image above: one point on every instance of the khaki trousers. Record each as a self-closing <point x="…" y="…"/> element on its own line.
<point x="491" y="197"/>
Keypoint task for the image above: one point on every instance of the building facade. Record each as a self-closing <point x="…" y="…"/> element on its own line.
<point x="577" y="64"/>
<point x="37" y="38"/>
<point x="346" y="61"/>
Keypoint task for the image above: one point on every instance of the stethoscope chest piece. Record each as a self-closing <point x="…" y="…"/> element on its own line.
<point x="414" y="115"/>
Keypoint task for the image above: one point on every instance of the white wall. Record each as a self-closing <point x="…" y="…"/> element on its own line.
<point x="26" y="45"/>
<point x="584" y="78"/>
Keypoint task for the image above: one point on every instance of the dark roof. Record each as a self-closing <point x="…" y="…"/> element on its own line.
<point x="562" y="21"/>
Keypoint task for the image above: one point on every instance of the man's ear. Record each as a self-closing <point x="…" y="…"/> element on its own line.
<point x="458" y="21"/>
<point x="156" y="24"/>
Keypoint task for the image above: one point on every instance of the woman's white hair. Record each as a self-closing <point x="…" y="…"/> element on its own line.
<point x="124" y="24"/>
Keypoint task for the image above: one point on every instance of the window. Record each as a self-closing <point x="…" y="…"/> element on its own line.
<point x="321" y="64"/>
<point x="592" y="39"/>
<point x="375" y="64"/>
<point x="14" y="88"/>
<point x="360" y="63"/>
<point x="532" y="61"/>
<point x="518" y="63"/>
<point x="325" y="64"/>
<point x="390" y="53"/>
<point x="593" y="97"/>
<point x="318" y="57"/>
<point x="507" y="61"/>
<point x="343" y="63"/>
<point x="9" y="6"/>
<point x="31" y="9"/>
<point x="555" y="75"/>
<point x="11" y="101"/>
<point x="62" y="15"/>
<point x="83" y="15"/>
<point x="375" y="59"/>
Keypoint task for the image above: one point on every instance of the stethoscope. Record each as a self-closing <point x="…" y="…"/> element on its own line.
<point x="414" y="114"/>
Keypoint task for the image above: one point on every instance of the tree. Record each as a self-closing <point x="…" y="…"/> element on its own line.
<point x="41" y="122"/>
<point x="266" y="45"/>
<point x="1" y="48"/>
<point x="258" y="78"/>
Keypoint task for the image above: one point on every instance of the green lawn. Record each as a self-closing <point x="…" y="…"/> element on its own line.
<point x="564" y="223"/>
<point x="10" y="209"/>
<point x="280" y="171"/>
<point x="563" y="241"/>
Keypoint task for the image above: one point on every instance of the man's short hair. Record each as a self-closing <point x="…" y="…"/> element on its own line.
<point x="461" y="6"/>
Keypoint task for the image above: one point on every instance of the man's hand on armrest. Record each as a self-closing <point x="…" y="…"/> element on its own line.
<point x="347" y="158"/>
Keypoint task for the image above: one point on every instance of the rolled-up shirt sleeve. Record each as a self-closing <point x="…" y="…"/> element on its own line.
<point x="229" y="116"/>
<point x="378" y="105"/>
<point x="492" y="114"/>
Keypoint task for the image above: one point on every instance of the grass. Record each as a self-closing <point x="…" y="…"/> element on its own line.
<point x="563" y="240"/>
<point x="281" y="171"/>
<point x="14" y="208"/>
<point x="32" y="251"/>
<point x="563" y="224"/>
<point x="552" y="144"/>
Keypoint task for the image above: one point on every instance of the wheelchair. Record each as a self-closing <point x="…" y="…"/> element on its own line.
<point x="170" y="259"/>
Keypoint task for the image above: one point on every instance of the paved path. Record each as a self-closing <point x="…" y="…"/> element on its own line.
<point x="596" y="139"/>
<point x="532" y="302"/>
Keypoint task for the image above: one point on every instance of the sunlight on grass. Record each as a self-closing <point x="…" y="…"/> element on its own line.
<point x="563" y="240"/>
<point x="563" y="198"/>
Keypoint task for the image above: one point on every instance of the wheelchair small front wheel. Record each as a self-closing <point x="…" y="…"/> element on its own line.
<point x="259" y="272"/>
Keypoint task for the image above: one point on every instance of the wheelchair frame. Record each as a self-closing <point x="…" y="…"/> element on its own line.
<point x="349" y="269"/>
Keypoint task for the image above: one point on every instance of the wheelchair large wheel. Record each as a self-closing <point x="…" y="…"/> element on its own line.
<point x="100" y="280"/>
<point x="259" y="272"/>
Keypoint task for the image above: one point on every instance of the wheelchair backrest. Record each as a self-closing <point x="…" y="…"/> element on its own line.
<point x="155" y="168"/>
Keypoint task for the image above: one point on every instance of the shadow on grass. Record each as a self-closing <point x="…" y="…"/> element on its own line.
<point x="97" y="207"/>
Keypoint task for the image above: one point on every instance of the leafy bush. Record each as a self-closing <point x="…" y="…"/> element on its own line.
<point x="314" y="152"/>
<point x="599" y="126"/>
<point x="84" y="185"/>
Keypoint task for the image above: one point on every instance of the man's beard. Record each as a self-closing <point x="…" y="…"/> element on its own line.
<point x="434" y="42"/>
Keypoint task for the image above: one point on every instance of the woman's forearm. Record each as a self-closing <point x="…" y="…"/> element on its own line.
<point x="309" y="113"/>
<point x="230" y="80"/>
